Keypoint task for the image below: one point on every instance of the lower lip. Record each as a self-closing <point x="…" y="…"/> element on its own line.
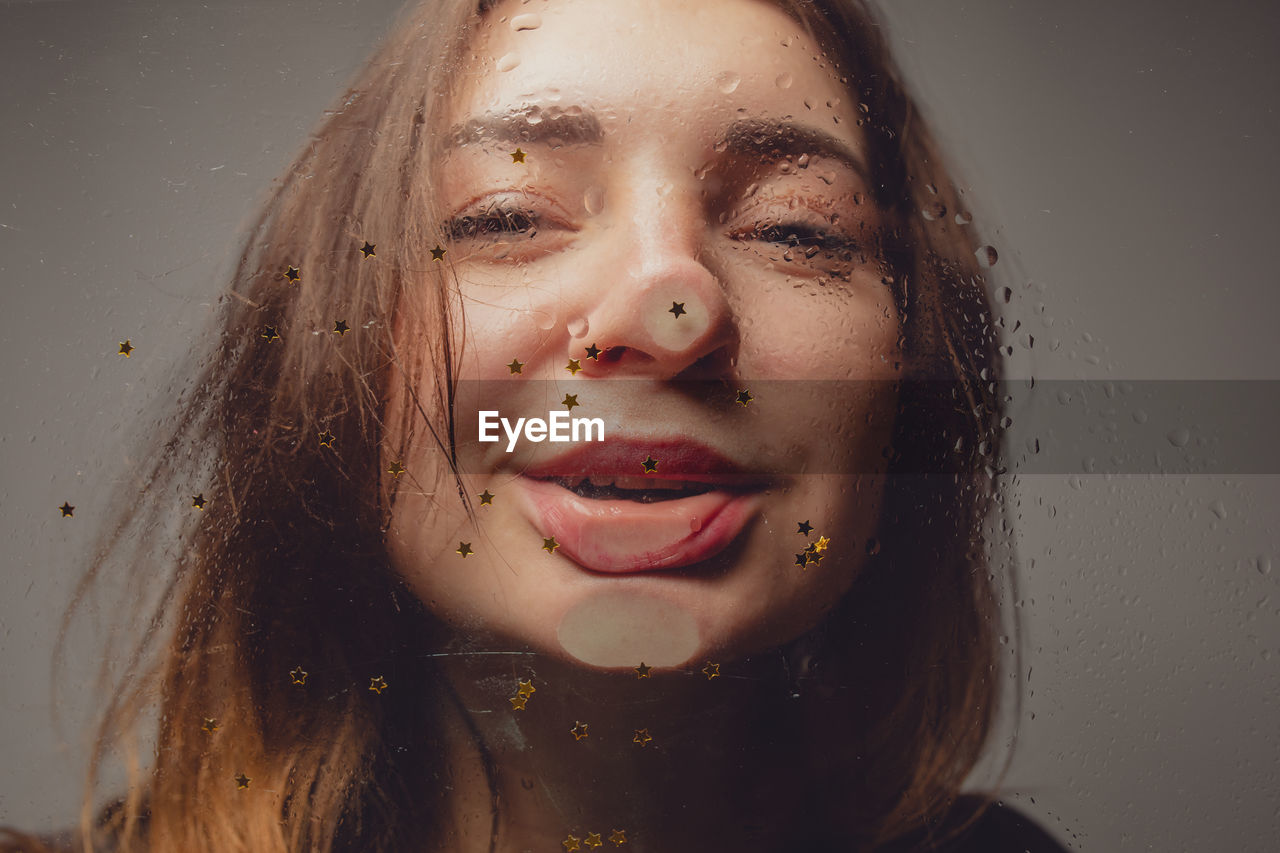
<point x="623" y="537"/>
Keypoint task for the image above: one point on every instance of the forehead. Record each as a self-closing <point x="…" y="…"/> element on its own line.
<point x="710" y="61"/>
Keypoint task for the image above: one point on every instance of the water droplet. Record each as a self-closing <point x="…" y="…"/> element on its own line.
<point x="544" y="320"/>
<point x="578" y="326"/>
<point x="1219" y="509"/>
<point x="1179" y="437"/>
<point x="1262" y="564"/>
<point x="593" y="200"/>
<point x="695" y="524"/>
<point x="784" y="80"/>
<point x="530" y="21"/>
<point x="873" y="547"/>
<point x="728" y="82"/>
<point x="1139" y="416"/>
<point x="803" y="161"/>
<point x="1006" y="294"/>
<point x="963" y="217"/>
<point x="508" y="61"/>
<point x="987" y="256"/>
<point x="933" y="211"/>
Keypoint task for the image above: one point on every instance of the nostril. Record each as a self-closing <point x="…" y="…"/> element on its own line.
<point x="612" y="355"/>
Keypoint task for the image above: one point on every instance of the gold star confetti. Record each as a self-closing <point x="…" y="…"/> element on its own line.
<point x="593" y="352"/>
<point x="579" y="730"/>
<point x="67" y="510"/>
<point x="437" y="254"/>
<point x="649" y="465"/>
<point x="270" y="334"/>
<point x="486" y="498"/>
<point x="711" y="670"/>
<point x="642" y="737"/>
<point x="464" y="548"/>
<point x="396" y="470"/>
<point x="516" y="366"/>
<point x="821" y="544"/>
<point x="619" y="837"/>
<point x="292" y="274"/>
<point x="368" y="249"/>
<point x="677" y="308"/>
<point x="815" y="558"/>
<point x="242" y="782"/>
<point x="340" y="328"/>
<point x="126" y="349"/>
<point x="569" y="401"/>
<point x="298" y="676"/>
<point x="642" y="671"/>
<point x="377" y="684"/>
<point x="198" y="501"/>
<point x="570" y="843"/>
<point x="526" y="688"/>
<point x="804" y="528"/>
<point x="573" y="366"/>
<point x="744" y="397"/>
<point x="517" y="156"/>
<point x="326" y="439"/>
<point x="210" y="725"/>
<point x="518" y="702"/>
<point x="550" y="545"/>
<point x="593" y="840"/>
<point x="802" y="560"/>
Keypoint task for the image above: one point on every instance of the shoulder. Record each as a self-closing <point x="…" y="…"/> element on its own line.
<point x="999" y="829"/>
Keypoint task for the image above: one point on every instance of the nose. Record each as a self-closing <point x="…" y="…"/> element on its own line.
<point x="654" y="309"/>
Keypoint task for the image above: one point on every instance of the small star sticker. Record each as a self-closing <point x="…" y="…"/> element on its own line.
<point x="198" y="501"/>
<point x="396" y="470"/>
<point x="292" y="274"/>
<point x="517" y="156"/>
<point x="464" y="548"/>
<point x="326" y="439"/>
<point x="642" y="737"/>
<point x="593" y="840"/>
<point x="711" y="670"/>
<point x="437" y="254"/>
<point x="802" y="560"/>
<point x="579" y="730"/>
<point x="619" y="837"/>
<point x="570" y="843"/>
<point x="550" y="545"/>
<point x="270" y="334"/>
<point x="515" y="366"/>
<point x="815" y="558"/>
<point x="569" y="401"/>
<point x="526" y="688"/>
<point x="486" y="498"/>
<point x="242" y="782"/>
<point x="821" y="544"/>
<point x="642" y="671"/>
<point x="298" y="676"/>
<point x="67" y="510"/>
<point x="573" y="366"/>
<point x="744" y="397"/>
<point x="126" y="349"/>
<point x="210" y="725"/>
<point x="593" y="352"/>
<point x="805" y="528"/>
<point x="377" y="684"/>
<point x="368" y="249"/>
<point x="677" y="308"/>
<point x="340" y="328"/>
<point x="518" y="702"/>
<point x="649" y="465"/>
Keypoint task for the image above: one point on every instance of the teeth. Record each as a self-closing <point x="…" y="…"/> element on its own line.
<point x="634" y="483"/>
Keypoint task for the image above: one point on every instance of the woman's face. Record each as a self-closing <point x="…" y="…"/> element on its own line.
<point x="688" y="217"/>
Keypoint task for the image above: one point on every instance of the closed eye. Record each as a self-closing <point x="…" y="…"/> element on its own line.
<point x="797" y="234"/>
<point x="495" y="221"/>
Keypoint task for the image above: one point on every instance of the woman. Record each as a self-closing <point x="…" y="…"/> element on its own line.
<point x="758" y="612"/>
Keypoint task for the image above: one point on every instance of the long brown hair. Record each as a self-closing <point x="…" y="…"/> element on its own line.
<point x="286" y="564"/>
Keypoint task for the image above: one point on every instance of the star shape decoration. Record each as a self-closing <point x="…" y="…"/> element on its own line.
<point x="340" y="328"/>
<point x="464" y="549"/>
<point x="744" y="398"/>
<point x="368" y="249"/>
<point x="396" y="470"/>
<point x="526" y="687"/>
<point x="518" y="702"/>
<point x="517" y="156"/>
<point x="642" y="671"/>
<point x="67" y="510"/>
<point x="270" y="334"/>
<point x="593" y="352"/>
<point x="815" y="557"/>
<point x="198" y="501"/>
<point x="573" y="366"/>
<point x="677" y="308"/>
<point x="618" y="837"/>
<point x="802" y="559"/>
<point x="579" y="730"/>
<point x="649" y="464"/>
<point x="486" y="498"/>
<point x="642" y="737"/>
<point x="570" y="843"/>
<point x="569" y="401"/>
<point x="804" y="528"/>
<point x="711" y="670"/>
<point x="326" y="439"/>
<point x="516" y="366"/>
<point x="292" y="273"/>
<point x="210" y="725"/>
<point x="821" y="544"/>
<point x="593" y="840"/>
<point x="437" y="254"/>
<point x="298" y="676"/>
<point x="126" y="349"/>
<point x="242" y="782"/>
<point x="550" y="545"/>
<point x="377" y="684"/>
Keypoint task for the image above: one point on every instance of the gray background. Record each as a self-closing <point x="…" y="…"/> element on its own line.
<point x="1122" y="158"/>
